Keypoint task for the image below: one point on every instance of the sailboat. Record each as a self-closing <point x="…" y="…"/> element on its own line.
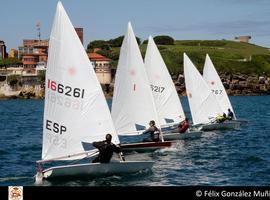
<point x="133" y="105"/>
<point x="203" y="104"/>
<point x="169" y="108"/>
<point x="75" y="112"/>
<point x="211" y="76"/>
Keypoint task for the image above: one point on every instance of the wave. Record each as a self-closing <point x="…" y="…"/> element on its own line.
<point x="253" y="159"/>
<point x="5" y="179"/>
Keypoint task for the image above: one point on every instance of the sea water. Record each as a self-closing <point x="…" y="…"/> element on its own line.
<point x="217" y="158"/>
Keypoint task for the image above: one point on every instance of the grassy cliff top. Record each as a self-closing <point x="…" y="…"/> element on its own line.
<point x="227" y="56"/>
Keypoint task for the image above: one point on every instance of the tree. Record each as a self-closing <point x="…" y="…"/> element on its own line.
<point x="10" y="61"/>
<point x="145" y="41"/>
<point x="41" y="76"/>
<point x="164" y="40"/>
<point x="13" y="80"/>
<point x="117" y="42"/>
<point x="97" y="44"/>
<point x="106" y="45"/>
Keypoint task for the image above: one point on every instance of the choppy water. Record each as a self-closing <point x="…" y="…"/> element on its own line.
<point x="218" y="158"/>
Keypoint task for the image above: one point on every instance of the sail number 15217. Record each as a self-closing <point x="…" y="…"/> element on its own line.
<point x="65" y="89"/>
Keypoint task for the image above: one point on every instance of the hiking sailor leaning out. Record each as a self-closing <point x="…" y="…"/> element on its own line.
<point x="106" y="149"/>
<point x="221" y="118"/>
<point x="230" y="115"/>
<point x="153" y="131"/>
<point x="183" y="126"/>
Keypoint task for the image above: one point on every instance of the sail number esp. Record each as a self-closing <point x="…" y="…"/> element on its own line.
<point x="66" y="90"/>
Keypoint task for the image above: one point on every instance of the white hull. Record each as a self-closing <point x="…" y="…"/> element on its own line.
<point x="228" y="125"/>
<point x="182" y="136"/>
<point x="96" y="169"/>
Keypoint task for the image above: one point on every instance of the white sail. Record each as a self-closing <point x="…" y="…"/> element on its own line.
<point x="166" y="99"/>
<point x="203" y="104"/>
<point x="133" y="104"/>
<point x="211" y="76"/>
<point x="76" y="112"/>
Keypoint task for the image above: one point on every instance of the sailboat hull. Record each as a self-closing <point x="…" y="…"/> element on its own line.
<point x="96" y="169"/>
<point x="145" y="146"/>
<point x="182" y="136"/>
<point x="228" y="125"/>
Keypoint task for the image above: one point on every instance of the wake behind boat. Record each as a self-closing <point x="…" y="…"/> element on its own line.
<point x="76" y="113"/>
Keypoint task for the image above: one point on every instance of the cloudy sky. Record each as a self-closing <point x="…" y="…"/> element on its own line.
<point x="105" y="19"/>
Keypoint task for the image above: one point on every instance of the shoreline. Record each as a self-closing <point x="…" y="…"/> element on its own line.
<point x="6" y="98"/>
<point x="234" y="84"/>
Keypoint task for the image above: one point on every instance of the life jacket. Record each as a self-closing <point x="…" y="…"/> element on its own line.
<point x="184" y="127"/>
<point x="220" y="119"/>
<point x="155" y="135"/>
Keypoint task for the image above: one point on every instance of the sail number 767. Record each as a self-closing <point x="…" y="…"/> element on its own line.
<point x="65" y="89"/>
<point x="217" y="91"/>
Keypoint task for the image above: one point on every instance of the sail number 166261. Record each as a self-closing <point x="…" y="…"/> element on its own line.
<point x="65" y="89"/>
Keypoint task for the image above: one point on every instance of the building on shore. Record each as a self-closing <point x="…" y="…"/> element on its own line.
<point x="243" y="38"/>
<point x="32" y="52"/>
<point x="80" y="33"/>
<point x="3" y="50"/>
<point x="102" y="66"/>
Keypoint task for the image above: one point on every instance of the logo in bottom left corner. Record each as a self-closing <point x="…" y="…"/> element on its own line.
<point x="15" y="192"/>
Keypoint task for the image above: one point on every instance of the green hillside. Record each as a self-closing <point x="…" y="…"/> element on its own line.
<point x="227" y="56"/>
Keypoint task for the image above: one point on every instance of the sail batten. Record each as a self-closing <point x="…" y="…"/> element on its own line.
<point x="75" y="108"/>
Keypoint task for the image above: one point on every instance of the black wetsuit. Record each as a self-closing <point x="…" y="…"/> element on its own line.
<point x="154" y="134"/>
<point x="230" y="115"/>
<point x="105" y="151"/>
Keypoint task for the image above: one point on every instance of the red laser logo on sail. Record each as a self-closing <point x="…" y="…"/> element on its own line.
<point x="132" y="72"/>
<point x="71" y="71"/>
<point x="157" y="77"/>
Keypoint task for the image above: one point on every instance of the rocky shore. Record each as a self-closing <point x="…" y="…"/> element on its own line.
<point x="24" y="93"/>
<point x="235" y="85"/>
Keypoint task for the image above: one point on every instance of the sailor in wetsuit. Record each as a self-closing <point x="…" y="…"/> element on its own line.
<point x="153" y="131"/>
<point x="230" y="115"/>
<point x="106" y="149"/>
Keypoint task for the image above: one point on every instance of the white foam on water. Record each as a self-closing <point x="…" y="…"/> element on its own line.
<point x="3" y="179"/>
<point x="176" y="147"/>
